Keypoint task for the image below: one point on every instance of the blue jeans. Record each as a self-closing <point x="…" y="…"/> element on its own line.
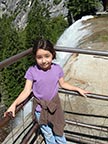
<point x="50" y="137"/>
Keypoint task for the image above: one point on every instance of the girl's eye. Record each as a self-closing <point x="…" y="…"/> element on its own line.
<point x="38" y="57"/>
<point x="47" y="56"/>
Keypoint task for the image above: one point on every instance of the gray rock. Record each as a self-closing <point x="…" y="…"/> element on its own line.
<point x="22" y="9"/>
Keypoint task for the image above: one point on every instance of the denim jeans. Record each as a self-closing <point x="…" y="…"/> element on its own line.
<point x="50" y="137"/>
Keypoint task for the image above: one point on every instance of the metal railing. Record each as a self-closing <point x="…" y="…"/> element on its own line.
<point x="72" y="136"/>
<point x="17" y="57"/>
<point x="75" y="136"/>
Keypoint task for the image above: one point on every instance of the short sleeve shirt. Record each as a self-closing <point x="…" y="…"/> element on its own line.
<point x="45" y="83"/>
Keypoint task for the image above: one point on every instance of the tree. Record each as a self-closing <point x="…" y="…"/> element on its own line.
<point x="9" y="46"/>
<point x="37" y="20"/>
<point x="40" y="24"/>
<point x="81" y="8"/>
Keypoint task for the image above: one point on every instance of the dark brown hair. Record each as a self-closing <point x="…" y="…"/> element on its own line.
<point x="45" y="45"/>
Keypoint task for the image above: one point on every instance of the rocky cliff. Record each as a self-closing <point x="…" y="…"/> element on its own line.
<point x="21" y="9"/>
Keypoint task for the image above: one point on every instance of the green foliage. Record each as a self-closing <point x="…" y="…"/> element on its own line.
<point x="41" y="25"/>
<point x="13" y="80"/>
<point x="37" y="21"/>
<point x="10" y="45"/>
<point x="55" y="28"/>
<point x="9" y="38"/>
<point x="56" y="2"/>
<point x="80" y="8"/>
<point x="13" y="42"/>
<point x="22" y="39"/>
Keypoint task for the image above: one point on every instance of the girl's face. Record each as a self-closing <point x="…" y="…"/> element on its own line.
<point x="44" y="59"/>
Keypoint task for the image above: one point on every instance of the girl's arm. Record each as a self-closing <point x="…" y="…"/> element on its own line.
<point x="23" y="95"/>
<point x="67" y="86"/>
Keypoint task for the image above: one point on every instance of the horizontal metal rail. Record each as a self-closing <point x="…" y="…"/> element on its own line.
<point x="75" y="139"/>
<point x="93" y="96"/>
<point x="82" y="138"/>
<point x="87" y="115"/>
<point x="4" y="120"/>
<point x="14" y="58"/>
<point x="89" y="95"/>
<point x="17" y="57"/>
<point x="86" y="125"/>
<point x="88" y="135"/>
<point x="82" y="51"/>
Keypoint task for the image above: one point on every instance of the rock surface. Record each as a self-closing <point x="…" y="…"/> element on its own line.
<point x="22" y="8"/>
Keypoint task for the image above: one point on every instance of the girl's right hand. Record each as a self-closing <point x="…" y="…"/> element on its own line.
<point x="10" y="112"/>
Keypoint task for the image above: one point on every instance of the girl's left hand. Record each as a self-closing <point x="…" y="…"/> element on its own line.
<point x="83" y="92"/>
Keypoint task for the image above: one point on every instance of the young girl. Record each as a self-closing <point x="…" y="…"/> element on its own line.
<point x="42" y="79"/>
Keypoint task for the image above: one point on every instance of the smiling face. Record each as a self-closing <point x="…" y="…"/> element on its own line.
<point x="44" y="59"/>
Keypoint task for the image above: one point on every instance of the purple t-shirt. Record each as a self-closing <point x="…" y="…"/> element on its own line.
<point x="45" y="83"/>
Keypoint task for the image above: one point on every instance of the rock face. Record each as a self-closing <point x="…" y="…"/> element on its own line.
<point x="90" y="72"/>
<point x="91" y="69"/>
<point x="22" y="9"/>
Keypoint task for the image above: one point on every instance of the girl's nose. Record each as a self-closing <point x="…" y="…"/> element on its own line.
<point x="43" y="60"/>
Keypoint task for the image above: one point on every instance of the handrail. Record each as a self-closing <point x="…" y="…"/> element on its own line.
<point x="82" y="51"/>
<point x="89" y="95"/>
<point x="36" y="126"/>
<point x="87" y="125"/>
<point x="4" y="120"/>
<point x="16" y="57"/>
<point x="30" y="133"/>
<point x="88" y="135"/>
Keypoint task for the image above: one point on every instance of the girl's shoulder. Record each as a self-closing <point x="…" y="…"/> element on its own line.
<point x="56" y="66"/>
<point x="58" y="69"/>
<point x="32" y="68"/>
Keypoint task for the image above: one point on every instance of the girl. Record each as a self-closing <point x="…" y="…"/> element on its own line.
<point x="42" y="79"/>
